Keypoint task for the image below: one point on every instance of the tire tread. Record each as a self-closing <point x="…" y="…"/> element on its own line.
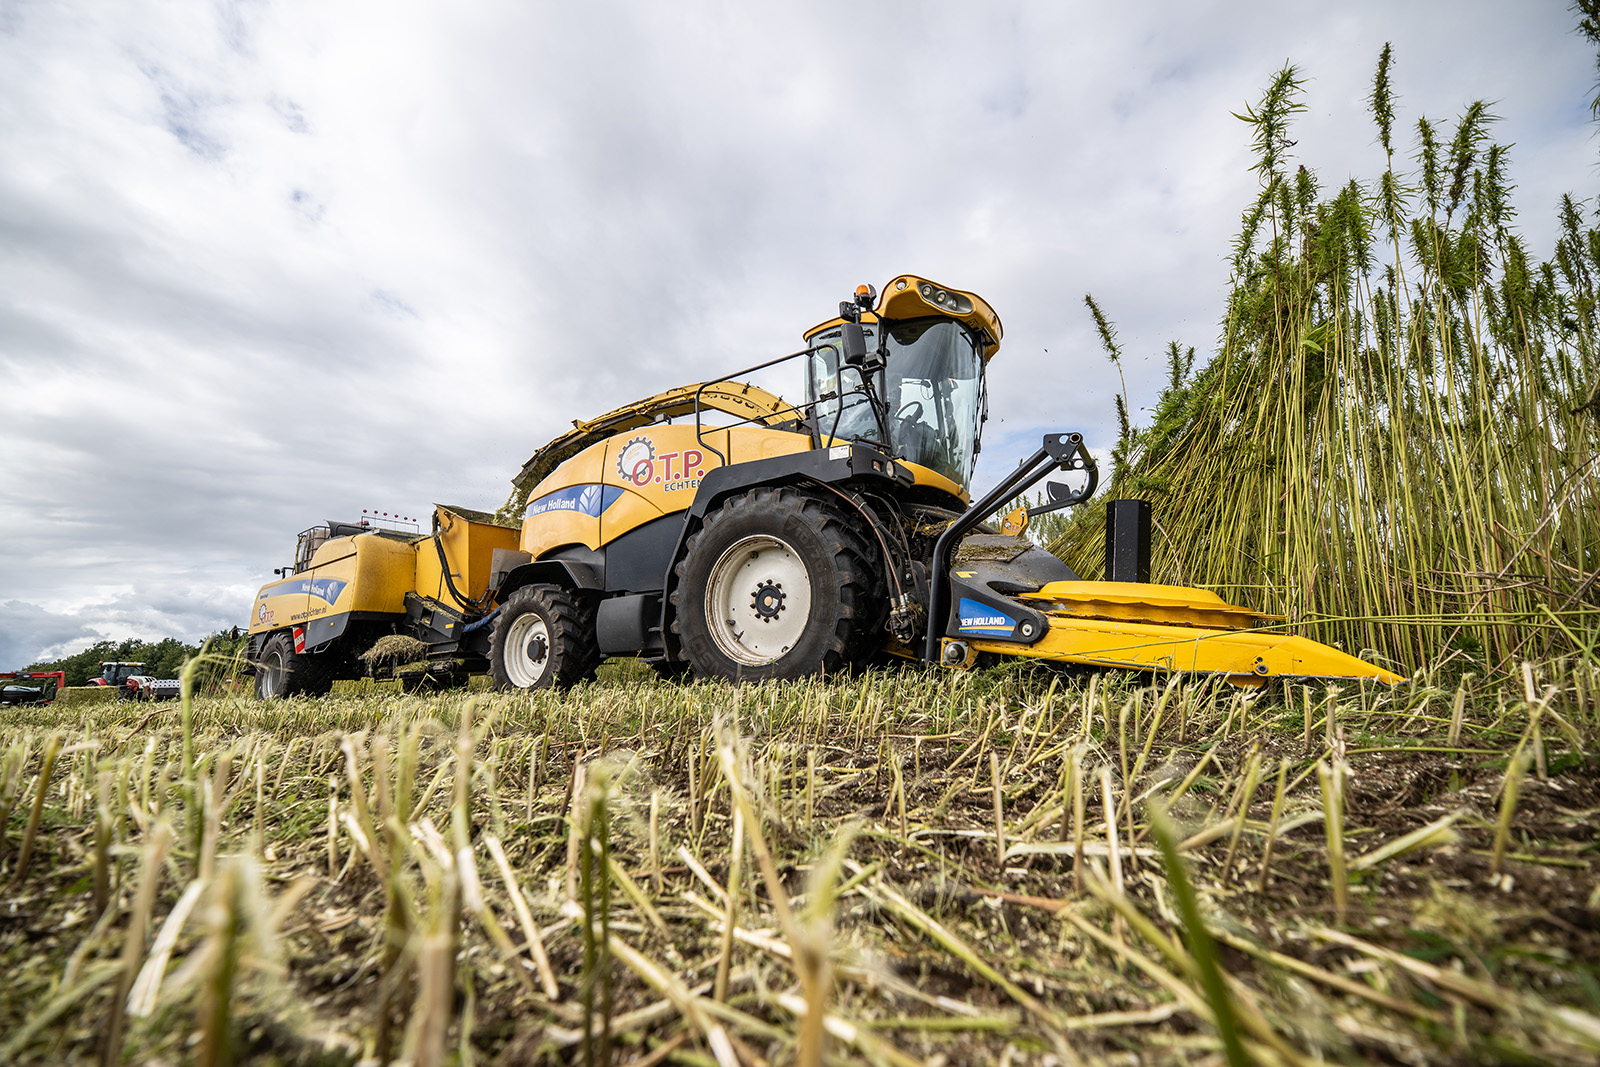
<point x="855" y="636"/>
<point x="574" y="647"/>
<point x="305" y="675"/>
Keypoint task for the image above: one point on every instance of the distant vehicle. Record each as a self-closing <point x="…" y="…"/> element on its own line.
<point x="31" y="687"/>
<point x="116" y="671"/>
<point x="133" y="683"/>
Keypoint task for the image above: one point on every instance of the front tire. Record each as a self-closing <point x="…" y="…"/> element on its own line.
<point x="282" y="673"/>
<point x="543" y="638"/>
<point x="776" y="585"/>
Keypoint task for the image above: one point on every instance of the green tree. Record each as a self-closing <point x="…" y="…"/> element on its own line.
<point x="162" y="659"/>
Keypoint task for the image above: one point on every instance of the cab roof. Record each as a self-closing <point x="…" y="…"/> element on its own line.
<point x="909" y="296"/>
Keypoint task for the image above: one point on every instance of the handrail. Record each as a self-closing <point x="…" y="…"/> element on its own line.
<point x="1063" y="451"/>
<point x="699" y="431"/>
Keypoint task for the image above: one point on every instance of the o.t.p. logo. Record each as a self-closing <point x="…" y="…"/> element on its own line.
<point x="636" y="461"/>
<point x="639" y="463"/>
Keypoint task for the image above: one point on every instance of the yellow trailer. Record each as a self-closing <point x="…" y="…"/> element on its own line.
<point x="355" y="582"/>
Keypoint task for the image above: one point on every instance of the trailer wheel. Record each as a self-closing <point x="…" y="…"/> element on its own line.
<point x="284" y="673"/>
<point x="544" y="637"/>
<point x="776" y="584"/>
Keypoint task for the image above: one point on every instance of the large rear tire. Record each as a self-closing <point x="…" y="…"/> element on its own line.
<point x="777" y="584"/>
<point x="543" y="638"/>
<point x="283" y="673"/>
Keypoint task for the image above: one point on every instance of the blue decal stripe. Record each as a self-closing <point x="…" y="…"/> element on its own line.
<point x="286" y="588"/>
<point x="322" y="588"/>
<point x="327" y="589"/>
<point x="588" y="500"/>
<point x="977" y="617"/>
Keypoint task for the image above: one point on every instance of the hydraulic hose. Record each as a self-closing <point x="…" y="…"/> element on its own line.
<point x="477" y="606"/>
<point x="481" y="623"/>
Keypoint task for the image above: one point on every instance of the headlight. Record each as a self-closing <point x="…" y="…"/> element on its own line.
<point x="944" y="300"/>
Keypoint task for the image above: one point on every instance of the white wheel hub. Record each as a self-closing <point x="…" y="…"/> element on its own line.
<point x="758" y="600"/>
<point x="527" y="651"/>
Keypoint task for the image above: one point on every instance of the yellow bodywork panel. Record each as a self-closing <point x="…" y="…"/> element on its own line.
<point x="631" y="479"/>
<point x="564" y="509"/>
<point x="1140" y="602"/>
<point x="361" y="573"/>
<point x="934" y="480"/>
<point x="739" y="399"/>
<point x="469" y="541"/>
<point x="630" y="511"/>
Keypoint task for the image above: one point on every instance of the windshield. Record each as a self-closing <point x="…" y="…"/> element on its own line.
<point x="932" y="386"/>
<point x="307" y="545"/>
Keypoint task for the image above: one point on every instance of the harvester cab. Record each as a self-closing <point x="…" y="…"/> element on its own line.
<point x="912" y="386"/>
<point x="915" y="386"/>
<point x="717" y="528"/>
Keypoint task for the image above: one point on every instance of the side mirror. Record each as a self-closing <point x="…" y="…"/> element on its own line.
<point x="855" y="344"/>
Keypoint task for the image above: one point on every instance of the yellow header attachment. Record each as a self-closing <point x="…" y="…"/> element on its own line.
<point x="1171" y="628"/>
<point x="911" y="297"/>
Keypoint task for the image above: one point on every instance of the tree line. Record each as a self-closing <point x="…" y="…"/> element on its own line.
<point x="162" y="659"/>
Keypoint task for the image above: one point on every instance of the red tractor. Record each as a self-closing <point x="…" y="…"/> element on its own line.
<point x="133" y="683"/>
<point x="116" y="671"/>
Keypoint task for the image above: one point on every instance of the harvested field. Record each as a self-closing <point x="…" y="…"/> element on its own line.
<point x="921" y="861"/>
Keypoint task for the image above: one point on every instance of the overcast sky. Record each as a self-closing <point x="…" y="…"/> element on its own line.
<point x="264" y="264"/>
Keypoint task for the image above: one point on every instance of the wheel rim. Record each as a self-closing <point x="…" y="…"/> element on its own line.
<point x="527" y="654"/>
<point x="758" y="600"/>
<point x="275" y="671"/>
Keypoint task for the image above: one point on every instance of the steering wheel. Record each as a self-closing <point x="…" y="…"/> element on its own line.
<point x="915" y="416"/>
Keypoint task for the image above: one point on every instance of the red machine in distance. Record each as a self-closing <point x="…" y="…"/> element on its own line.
<point x="31" y="687"/>
<point x="132" y="683"/>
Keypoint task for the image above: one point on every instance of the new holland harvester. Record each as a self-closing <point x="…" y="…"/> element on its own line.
<point x="717" y="528"/>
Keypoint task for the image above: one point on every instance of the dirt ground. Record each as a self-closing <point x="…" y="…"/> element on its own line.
<point x="939" y="949"/>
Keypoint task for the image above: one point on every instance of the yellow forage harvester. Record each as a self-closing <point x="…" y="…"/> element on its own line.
<point x="720" y="529"/>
